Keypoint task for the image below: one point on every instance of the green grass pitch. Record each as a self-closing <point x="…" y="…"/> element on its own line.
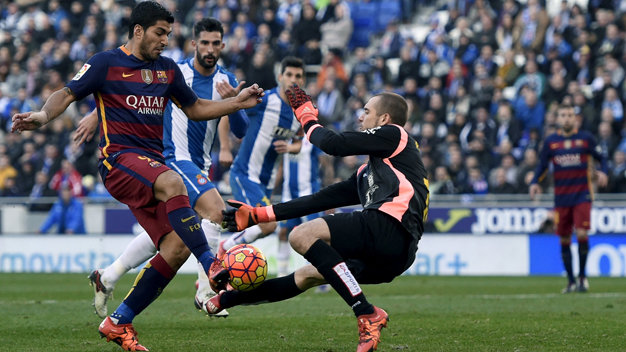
<point x="52" y="312"/>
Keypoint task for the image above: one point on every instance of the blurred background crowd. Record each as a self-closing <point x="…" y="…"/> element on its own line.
<point x="482" y="78"/>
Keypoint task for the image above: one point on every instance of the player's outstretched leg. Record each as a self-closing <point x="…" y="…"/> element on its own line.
<point x="203" y="285"/>
<point x="138" y="251"/>
<point x="370" y="326"/>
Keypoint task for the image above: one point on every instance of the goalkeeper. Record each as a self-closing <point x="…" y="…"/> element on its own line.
<point x="370" y="246"/>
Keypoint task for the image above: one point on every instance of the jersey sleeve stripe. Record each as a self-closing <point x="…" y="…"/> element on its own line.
<point x="404" y="138"/>
<point x="310" y="131"/>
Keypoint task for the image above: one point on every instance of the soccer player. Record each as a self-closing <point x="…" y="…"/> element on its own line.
<point x="570" y="151"/>
<point x="132" y="85"/>
<point x="371" y="246"/>
<point x="272" y="126"/>
<point x="187" y="151"/>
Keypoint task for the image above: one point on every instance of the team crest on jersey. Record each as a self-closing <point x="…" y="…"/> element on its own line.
<point x="82" y="71"/>
<point x="155" y="164"/>
<point x="147" y="76"/>
<point x="567" y="144"/>
<point x="162" y="76"/>
<point x="201" y="180"/>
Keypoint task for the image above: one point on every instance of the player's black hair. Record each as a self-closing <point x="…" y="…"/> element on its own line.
<point x="565" y="106"/>
<point x="394" y="105"/>
<point x="291" y="61"/>
<point x="208" y="25"/>
<point x="146" y="14"/>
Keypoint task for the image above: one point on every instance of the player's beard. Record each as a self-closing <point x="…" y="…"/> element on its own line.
<point x="147" y="53"/>
<point x="567" y="128"/>
<point x="202" y="61"/>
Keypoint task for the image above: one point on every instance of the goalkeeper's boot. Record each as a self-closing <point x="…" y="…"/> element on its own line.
<point x="212" y="305"/>
<point x="218" y="275"/>
<point x="370" y="326"/>
<point x="203" y="297"/>
<point x="583" y="284"/>
<point x="571" y="287"/>
<point x="122" y="334"/>
<point x="101" y="292"/>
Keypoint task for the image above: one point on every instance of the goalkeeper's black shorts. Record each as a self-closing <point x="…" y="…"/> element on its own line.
<point x="375" y="246"/>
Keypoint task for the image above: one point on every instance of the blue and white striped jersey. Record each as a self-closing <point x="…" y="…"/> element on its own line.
<point x="301" y="172"/>
<point x="271" y="120"/>
<point x="185" y="139"/>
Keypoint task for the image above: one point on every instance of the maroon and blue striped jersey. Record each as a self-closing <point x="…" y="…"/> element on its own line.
<point x="572" y="160"/>
<point x="131" y="96"/>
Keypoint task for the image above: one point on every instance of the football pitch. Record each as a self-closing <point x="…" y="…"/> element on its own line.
<point x="52" y="312"/>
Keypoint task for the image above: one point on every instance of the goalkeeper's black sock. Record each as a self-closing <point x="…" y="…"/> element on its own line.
<point x="187" y="226"/>
<point x="330" y="264"/>
<point x="273" y="290"/>
<point x="566" y="256"/>
<point x="149" y="284"/>
<point x="583" y="250"/>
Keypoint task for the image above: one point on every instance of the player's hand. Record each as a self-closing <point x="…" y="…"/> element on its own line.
<point x="249" y="97"/>
<point x="281" y="146"/>
<point x="533" y="190"/>
<point x="225" y="158"/>
<point x="28" y="121"/>
<point x="86" y="128"/>
<point x="301" y="104"/>
<point x="602" y="179"/>
<point x="243" y="216"/>
<point x="225" y="90"/>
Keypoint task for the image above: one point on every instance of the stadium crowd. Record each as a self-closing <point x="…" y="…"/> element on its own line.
<point x="482" y="84"/>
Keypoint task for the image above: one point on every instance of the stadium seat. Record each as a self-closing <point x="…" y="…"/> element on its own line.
<point x="364" y="17"/>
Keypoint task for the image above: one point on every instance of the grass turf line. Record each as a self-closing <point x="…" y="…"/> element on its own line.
<point x="52" y="312"/>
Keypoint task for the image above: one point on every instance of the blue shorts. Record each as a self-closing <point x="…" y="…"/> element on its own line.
<point x="196" y="180"/>
<point x="291" y="223"/>
<point x="249" y="192"/>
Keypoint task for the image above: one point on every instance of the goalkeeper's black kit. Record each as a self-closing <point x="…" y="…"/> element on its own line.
<point x="393" y="181"/>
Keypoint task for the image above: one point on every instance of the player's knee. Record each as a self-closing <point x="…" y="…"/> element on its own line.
<point x="168" y="185"/>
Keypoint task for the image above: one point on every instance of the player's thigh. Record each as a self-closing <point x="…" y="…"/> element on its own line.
<point x="564" y="219"/>
<point x="130" y="179"/>
<point x="375" y="246"/>
<point x="303" y="237"/>
<point x="582" y="216"/>
<point x="247" y="191"/>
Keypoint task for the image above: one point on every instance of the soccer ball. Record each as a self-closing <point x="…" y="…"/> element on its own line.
<point x="246" y="266"/>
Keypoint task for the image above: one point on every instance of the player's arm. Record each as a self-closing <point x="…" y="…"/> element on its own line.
<point x="86" y="128"/>
<point x="541" y="170"/>
<point x="54" y="106"/>
<point x="602" y="177"/>
<point x="223" y="132"/>
<point x="381" y="142"/>
<point x="203" y="109"/>
<point x="337" y="195"/>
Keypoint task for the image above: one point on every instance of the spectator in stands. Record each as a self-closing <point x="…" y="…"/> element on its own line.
<point x="380" y="75"/>
<point x="611" y="101"/>
<point x="617" y="173"/>
<point x="6" y="170"/>
<point x="476" y="183"/>
<point x="443" y="183"/>
<point x="66" y="214"/>
<point x="607" y="140"/>
<point x="500" y="185"/>
<point x="336" y="30"/>
<point x="67" y="177"/>
<point x="330" y="104"/>
<point x="531" y="78"/>
<point x="391" y="41"/>
<point x="433" y="67"/>
<point x="529" y="110"/>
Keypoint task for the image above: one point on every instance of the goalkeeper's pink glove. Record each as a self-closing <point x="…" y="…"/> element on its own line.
<point x="302" y="105"/>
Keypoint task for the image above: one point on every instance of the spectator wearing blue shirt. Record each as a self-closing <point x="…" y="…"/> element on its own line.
<point x="66" y="214"/>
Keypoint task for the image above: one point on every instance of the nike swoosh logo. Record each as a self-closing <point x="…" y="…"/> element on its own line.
<point x="126" y="75"/>
<point x="187" y="219"/>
